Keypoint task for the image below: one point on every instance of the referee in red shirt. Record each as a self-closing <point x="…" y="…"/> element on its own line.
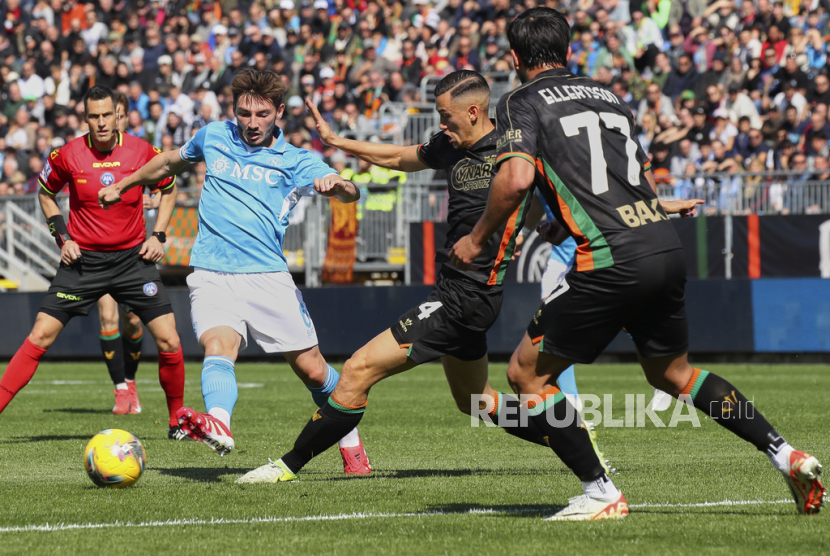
<point x="103" y="252"/>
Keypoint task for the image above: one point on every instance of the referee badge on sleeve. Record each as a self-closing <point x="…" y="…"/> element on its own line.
<point x="150" y="289"/>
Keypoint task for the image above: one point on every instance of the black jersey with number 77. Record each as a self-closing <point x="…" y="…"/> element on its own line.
<point x="581" y="138"/>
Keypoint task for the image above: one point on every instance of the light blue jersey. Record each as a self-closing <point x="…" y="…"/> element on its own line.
<point x="565" y="251"/>
<point x="248" y="194"/>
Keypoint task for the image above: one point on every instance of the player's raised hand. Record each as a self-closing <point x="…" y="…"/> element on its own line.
<point x="330" y="185"/>
<point x="684" y="208"/>
<point x="70" y="252"/>
<point x="326" y="134"/>
<point x="464" y="252"/>
<point x="108" y="196"/>
<point x="152" y="250"/>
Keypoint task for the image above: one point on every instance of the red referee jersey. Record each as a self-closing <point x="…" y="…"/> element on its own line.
<point x="86" y="170"/>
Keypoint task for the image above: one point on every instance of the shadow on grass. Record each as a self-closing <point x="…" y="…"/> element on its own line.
<point x="78" y="410"/>
<point x="529" y="510"/>
<point x="201" y="474"/>
<point x="429" y="473"/>
<point x="45" y="438"/>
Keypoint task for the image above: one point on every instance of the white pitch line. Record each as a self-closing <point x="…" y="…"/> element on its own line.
<point x="341" y="517"/>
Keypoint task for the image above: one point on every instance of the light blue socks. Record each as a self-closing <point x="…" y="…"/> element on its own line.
<point x="320" y="395"/>
<point x="567" y="382"/>
<point x="219" y="386"/>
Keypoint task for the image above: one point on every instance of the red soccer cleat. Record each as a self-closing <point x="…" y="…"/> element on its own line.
<point x="355" y="461"/>
<point x="206" y="428"/>
<point x="135" y="405"/>
<point x="804" y="484"/>
<point x="122" y="402"/>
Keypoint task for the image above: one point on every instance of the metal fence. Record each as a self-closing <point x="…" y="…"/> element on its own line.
<point x="28" y="252"/>
<point x="751" y="192"/>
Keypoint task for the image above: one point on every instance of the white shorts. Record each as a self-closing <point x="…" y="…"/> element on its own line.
<point x="554" y="273"/>
<point x="267" y="304"/>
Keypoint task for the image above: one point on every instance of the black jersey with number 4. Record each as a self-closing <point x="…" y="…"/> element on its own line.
<point x="469" y="173"/>
<point x="581" y="137"/>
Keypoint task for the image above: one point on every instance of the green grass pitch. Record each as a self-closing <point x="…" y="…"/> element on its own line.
<point x="440" y="486"/>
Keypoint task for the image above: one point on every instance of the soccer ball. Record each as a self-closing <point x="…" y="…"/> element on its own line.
<point x="114" y="458"/>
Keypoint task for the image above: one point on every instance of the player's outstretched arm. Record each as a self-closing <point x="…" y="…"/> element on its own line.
<point x="393" y="157"/>
<point x="510" y="186"/>
<point x="684" y="208"/>
<point x="335" y="186"/>
<point x="161" y="166"/>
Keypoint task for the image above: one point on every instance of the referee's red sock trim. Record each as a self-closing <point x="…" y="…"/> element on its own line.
<point x="171" y="378"/>
<point x="20" y="371"/>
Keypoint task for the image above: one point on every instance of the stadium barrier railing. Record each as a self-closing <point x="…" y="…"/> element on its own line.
<point x="27" y="249"/>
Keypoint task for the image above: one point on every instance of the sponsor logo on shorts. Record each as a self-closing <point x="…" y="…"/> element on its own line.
<point x="150" y="289"/>
<point x="306" y="316"/>
<point x="107" y="179"/>
<point x="69" y="296"/>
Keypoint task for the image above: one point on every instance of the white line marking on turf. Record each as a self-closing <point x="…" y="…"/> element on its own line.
<point x="341" y="517"/>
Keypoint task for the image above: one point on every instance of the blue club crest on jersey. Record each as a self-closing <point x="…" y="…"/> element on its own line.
<point x="150" y="289"/>
<point x="107" y="179"/>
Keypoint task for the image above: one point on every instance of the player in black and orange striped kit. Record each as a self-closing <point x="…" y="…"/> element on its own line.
<point x="103" y="252"/>
<point x="630" y="271"/>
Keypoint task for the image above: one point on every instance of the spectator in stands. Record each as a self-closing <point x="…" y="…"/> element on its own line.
<point x="740" y="147"/>
<point x="790" y="96"/>
<point x="701" y="129"/>
<point x="614" y="55"/>
<point x="681" y="78"/>
<point x="687" y="153"/>
<point x="758" y="149"/>
<point x="791" y="73"/>
<point x="739" y="106"/>
<point x="645" y="39"/>
<point x="655" y="103"/>
<point x="713" y="76"/>
<point x="723" y="130"/>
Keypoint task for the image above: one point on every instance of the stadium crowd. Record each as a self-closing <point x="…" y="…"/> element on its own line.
<point x="724" y="87"/>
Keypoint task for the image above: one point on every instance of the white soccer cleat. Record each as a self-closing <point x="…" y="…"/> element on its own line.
<point x="802" y="478"/>
<point x="584" y="508"/>
<point x="272" y="472"/>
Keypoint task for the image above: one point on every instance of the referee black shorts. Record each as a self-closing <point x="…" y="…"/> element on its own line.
<point x="123" y="274"/>
<point x="453" y="320"/>
<point x="588" y="309"/>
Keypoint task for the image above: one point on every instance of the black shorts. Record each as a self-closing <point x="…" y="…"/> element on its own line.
<point x="453" y="320"/>
<point x="588" y="309"/>
<point x="128" y="278"/>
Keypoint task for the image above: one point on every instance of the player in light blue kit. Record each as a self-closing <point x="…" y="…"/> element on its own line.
<point x="241" y="281"/>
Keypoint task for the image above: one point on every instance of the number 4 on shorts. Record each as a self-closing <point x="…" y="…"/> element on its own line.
<point x="428" y="308"/>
